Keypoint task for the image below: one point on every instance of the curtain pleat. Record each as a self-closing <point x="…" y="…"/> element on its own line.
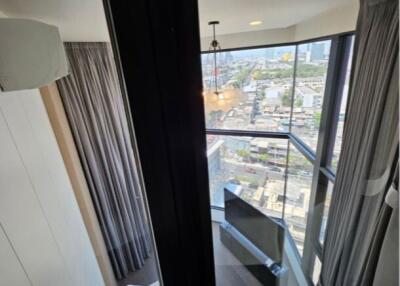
<point x="94" y="105"/>
<point x="387" y="260"/>
<point x="369" y="150"/>
<point x="381" y="264"/>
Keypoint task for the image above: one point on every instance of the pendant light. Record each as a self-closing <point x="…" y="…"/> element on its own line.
<point x="214" y="47"/>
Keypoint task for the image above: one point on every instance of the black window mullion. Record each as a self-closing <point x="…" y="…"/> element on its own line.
<point x="321" y="176"/>
<point x="302" y="147"/>
<point x="328" y="174"/>
<point x="245" y="133"/>
<point x="293" y="86"/>
<point x="337" y="100"/>
<point x="286" y="178"/>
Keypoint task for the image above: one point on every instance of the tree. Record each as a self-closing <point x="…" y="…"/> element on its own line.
<point x="243" y="74"/>
<point x="236" y="84"/>
<point x="298" y="102"/>
<point x="257" y="74"/>
<point x="263" y="157"/>
<point x="286" y="98"/>
<point x="310" y="70"/>
<point x="243" y="153"/>
<point x="298" y="160"/>
<point x="317" y="118"/>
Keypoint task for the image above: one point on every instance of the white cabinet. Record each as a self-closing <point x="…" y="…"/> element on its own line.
<point x="39" y="215"/>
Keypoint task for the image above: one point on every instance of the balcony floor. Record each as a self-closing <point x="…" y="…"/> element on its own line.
<point x="229" y="271"/>
<point x="145" y="276"/>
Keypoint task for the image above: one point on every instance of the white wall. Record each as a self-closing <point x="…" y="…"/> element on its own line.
<point x="43" y="241"/>
<point x="339" y="20"/>
<point x="342" y="19"/>
<point x="247" y="39"/>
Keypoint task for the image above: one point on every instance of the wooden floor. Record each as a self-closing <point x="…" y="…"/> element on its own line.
<point x="145" y="276"/>
<point x="228" y="270"/>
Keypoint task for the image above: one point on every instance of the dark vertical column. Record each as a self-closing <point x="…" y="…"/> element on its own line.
<point x="158" y="47"/>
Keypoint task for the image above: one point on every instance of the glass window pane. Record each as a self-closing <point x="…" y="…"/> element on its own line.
<point x="255" y="165"/>
<point x="312" y="67"/>
<point x="298" y="190"/>
<point x="256" y="88"/>
<point x="316" y="270"/>
<point x="339" y="131"/>
<point x="325" y="213"/>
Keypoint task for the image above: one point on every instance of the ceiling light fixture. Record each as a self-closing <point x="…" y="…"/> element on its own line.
<point x="255" y="23"/>
<point x="214" y="46"/>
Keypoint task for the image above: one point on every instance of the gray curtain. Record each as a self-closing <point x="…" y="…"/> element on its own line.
<point x="92" y="100"/>
<point x="356" y="221"/>
<point x="381" y="264"/>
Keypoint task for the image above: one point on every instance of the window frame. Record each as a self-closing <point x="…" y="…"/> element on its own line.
<point x="339" y="57"/>
<point x="320" y="158"/>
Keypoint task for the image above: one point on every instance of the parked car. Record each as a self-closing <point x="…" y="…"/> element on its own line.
<point x="234" y="181"/>
<point x="305" y="173"/>
<point x="275" y="169"/>
<point x="253" y="186"/>
<point x="250" y="170"/>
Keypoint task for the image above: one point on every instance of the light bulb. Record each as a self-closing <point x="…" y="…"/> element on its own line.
<point x="255" y="23"/>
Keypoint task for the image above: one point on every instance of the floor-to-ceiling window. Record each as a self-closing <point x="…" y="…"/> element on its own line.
<point x="274" y="131"/>
<point x="311" y="71"/>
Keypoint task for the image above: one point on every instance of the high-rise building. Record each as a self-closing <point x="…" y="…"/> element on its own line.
<point x="269" y="54"/>
<point x="317" y="51"/>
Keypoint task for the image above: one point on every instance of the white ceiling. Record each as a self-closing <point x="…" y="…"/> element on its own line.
<point x="235" y="15"/>
<point x="84" y="20"/>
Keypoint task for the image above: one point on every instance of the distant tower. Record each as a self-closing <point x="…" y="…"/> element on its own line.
<point x="317" y="52"/>
<point x="269" y="54"/>
<point x="228" y="57"/>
